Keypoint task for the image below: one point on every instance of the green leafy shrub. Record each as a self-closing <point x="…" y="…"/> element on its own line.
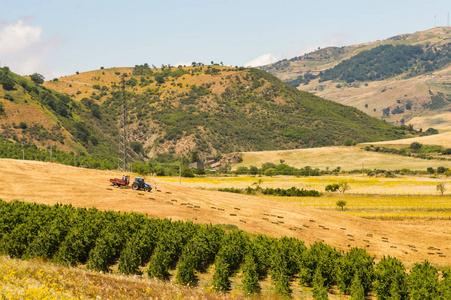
<point x="391" y="279"/>
<point x="332" y="187"/>
<point x="198" y="254"/>
<point x="285" y="257"/>
<point x="320" y="258"/>
<point x="319" y="287"/>
<point x="423" y="282"/>
<point x="229" y="258"/>
<point x="356" y="262"/>
<point x="250" y="275"/>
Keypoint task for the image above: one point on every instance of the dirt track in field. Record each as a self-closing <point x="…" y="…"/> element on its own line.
<point x="47" y="183"/>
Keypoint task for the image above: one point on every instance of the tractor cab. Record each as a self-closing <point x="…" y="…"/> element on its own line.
<point x="140" y="184"/>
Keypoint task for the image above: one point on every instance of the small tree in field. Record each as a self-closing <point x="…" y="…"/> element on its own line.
<point x="332" y="187"/>
<point x="341" y="203"/>
<point x="343" y="186"/>
<point x="441" y="188"/>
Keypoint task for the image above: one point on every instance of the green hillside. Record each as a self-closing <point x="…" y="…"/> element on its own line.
<point x="215" y="109"/>
<point x="386" y="61"/>
<point x="208" y="109"/>
<point x="35" y="117"/>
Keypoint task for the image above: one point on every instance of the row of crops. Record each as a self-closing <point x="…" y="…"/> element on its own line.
<point x="135" y="243"/>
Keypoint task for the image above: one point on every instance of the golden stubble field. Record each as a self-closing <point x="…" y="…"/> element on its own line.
<point x="409" y="240"/>
<point x="348" y="158"/>
<point x="353" y="157"/>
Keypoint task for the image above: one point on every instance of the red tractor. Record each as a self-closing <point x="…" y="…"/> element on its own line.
<point x="125" y="181"/>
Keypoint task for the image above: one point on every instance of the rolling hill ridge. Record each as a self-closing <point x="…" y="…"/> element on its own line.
<point x="216" y="109"/>
<point x="403" y="79"/>
<point x="35" y="117"/>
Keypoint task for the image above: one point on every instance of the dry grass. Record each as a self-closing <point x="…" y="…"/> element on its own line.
<point x="440" y="121"/>
<point x="31" y="114"/>
<point x="442" y="139"/>
<point x="81" y="85"/>
<point x="39" y="280"/>
<point x="381" y="207"/>
<point x="348" y="158"/>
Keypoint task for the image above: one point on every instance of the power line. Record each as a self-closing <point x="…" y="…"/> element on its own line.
<point x="123" y="140"/>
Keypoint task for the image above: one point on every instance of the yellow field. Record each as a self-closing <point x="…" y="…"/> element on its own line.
<point x="36" y="279"/>
<point x="400" y="185"/>
<point x="22" y="280"/>
<point x="394" y="198"/>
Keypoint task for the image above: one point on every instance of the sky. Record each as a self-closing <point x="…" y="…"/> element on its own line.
<point x="60" y="37"/>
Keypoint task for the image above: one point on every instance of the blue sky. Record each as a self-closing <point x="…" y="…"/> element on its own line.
<point x="59" y="37"/>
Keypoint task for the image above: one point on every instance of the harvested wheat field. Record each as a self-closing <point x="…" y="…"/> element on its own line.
<point x="442" y="139"/>
<point x="348" y="158"/>
<point x="52" y="183"/>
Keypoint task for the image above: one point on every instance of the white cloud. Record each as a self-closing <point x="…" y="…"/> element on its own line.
<point x="22" y="48"/>
<point x="262" y="60"/>
<point x="18" y="36"/>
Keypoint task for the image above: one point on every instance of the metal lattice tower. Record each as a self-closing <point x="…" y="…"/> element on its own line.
<point x="123" y="140"/>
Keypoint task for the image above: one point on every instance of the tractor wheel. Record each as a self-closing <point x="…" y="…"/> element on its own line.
<point x="147" y="189"/>
<point x="135" y="186"/>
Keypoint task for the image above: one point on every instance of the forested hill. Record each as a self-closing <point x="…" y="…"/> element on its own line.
<point x="387" y="61"/>
<point x="405" y="79"/>
<point x="412" y="54"/>
<point x="219" y="109"/>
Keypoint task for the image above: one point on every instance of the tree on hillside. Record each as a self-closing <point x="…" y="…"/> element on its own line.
<point x="37" y="78"/>
<point x="194" y="156"/>
<point x="441" y="170"/>
<point x="415" y="147"/>
<point x="6" y="81"/>
<point x="137" y="147"/>
<point x="187" y="173"/>
<point x="357" y="291"/>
